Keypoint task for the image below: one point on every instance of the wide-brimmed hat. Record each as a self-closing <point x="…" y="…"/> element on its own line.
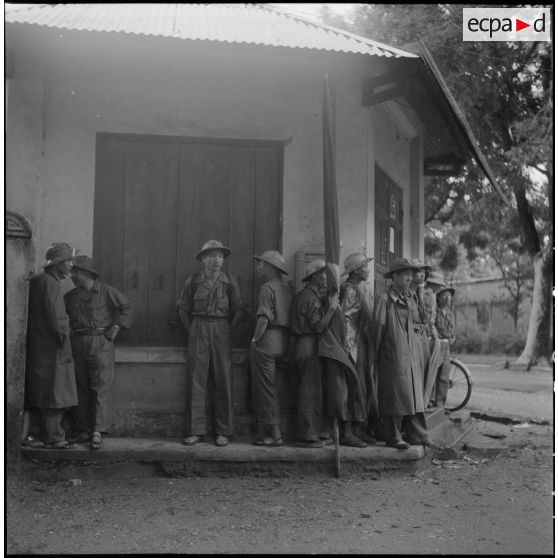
<point x="212" y="245"/>
<point x="399" y="264"/>
<point x="312" y="267"/>
<point x="57" y="253"/>
<point x="436" y="278"/>
<point x="354" y="261"/>
<point x="86" y="263"/>
<point x="275" y="259"/>
<point x="421" y="264"/>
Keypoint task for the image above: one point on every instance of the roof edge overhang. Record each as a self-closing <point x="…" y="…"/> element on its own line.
<point x="460" y="119"/>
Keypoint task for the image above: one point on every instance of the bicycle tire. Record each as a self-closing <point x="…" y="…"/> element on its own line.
<point x="461" y="382"/>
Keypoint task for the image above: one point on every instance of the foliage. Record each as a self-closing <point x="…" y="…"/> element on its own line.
<point x="505" y="90"/>
<point x="477" y="341"/>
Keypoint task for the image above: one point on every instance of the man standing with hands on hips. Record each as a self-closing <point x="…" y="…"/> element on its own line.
<point x="97" y="313"/>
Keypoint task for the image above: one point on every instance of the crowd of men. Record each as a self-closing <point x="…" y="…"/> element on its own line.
<point x="376" y="371"/>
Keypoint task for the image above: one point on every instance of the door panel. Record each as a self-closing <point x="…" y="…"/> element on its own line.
<point x="108" y="233"/>
<point x="241" y="235"/>
<point x="158" y="200"/>
<point x="162" y="239"/>
<point x="138" y="218"/>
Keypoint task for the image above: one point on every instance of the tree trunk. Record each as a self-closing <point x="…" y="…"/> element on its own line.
<point x="537" y="343"/>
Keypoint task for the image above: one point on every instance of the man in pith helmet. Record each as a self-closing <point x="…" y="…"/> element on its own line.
<point x="210" y="307"/>
<point x="97" y="313"/>
<point x="309" y="319"/>
<point x="269" y="345"/>
<point x="50" y="383"/>
<point x="358" y="321"/>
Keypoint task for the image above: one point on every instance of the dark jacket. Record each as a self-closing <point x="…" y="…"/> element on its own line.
<point x="400" y="379"/>
<point x="49" y="380"/>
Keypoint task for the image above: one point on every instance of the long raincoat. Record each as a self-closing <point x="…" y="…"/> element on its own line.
<point x="50" y="381"/>
<point x="398" y="350"/>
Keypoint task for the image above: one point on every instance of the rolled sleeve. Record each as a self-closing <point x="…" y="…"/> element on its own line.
<point x="124" y="312"/>
<point x="184" y="302"/>
<point x="266" y="303"/>
<point x="237" y="303"/>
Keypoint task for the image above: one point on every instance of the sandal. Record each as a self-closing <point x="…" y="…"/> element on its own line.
<point x="352" y="441"/>
<point x="31" y="442"/>
<point x="96" y="442"/>
<point x="81" y="438"/>
<point x="221" y="441"/>
<point x="268" y="441"/>
<point x="309" y="444"/>
<point x="191" y="440"/>
<point x="61" y="445"/>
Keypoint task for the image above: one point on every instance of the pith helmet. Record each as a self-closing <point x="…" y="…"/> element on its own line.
<point x="446" y="288"/>
<point x="213" y="245"/>
<point x="355" y="261"/>
<point x="399" y="264"/>
<point x="436" y="278"/>
<point x="312" y="267"/>
<point x="275" y="259"/>
<point x="86" y="263"/>
<point x="58" y="252"/>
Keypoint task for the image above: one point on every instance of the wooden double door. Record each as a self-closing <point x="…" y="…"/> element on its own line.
<point x="158" y="199"/>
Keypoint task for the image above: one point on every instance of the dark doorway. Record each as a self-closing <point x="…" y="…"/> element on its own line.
<point x="388" y="228"/>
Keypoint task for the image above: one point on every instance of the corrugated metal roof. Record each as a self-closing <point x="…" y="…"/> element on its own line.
<point x="230" y="23"/>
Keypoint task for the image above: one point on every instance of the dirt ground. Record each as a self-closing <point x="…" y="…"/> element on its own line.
<point x="475" y="503"/>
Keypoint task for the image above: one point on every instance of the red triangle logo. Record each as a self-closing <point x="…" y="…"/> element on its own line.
<point x="519" y="25"/>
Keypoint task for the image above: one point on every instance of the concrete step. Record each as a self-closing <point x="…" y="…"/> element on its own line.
<point x="140" y="457"/>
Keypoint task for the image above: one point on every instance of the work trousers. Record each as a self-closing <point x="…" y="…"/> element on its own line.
<point x="342" y="397"/>
<point x="209" y="377"/>
<point x="413" y="425"/>
<point x="310" y="394"/>
<point x="270" y="350"/>
<point x="51" y="427"/>
<point x="431" y="349"/>
<point x="94" y="369"/>
<point x="440" y="390"/>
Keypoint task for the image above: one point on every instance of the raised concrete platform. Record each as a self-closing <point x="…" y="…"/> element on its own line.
<point x="140" y="457"/>
<point x="152" y="456"/>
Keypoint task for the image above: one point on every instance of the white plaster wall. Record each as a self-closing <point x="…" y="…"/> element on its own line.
<point x="163" y="87"/>
<point x="392" y="150"/>
<point x="23" y="104"/>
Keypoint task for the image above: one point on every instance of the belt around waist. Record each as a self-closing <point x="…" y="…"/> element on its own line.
<point x="90" y="331"/>
<point x="211" y="318"/>
<point x="278" y="327"/>
<point x="309" y="335"/>
<point x="444" y="340"/>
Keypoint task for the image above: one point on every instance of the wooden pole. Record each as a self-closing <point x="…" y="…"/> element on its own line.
<point x="336" y="440"/>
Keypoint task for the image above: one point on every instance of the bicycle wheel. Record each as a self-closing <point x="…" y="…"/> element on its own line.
<point x="460" y="386"/>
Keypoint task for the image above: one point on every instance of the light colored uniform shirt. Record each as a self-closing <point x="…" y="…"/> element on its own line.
<point x="274" y="302"/>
